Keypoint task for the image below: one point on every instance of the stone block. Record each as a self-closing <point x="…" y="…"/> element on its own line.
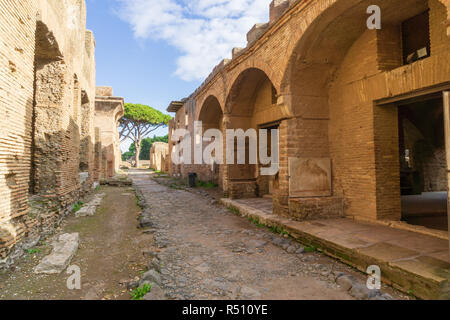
<point x="303" y="209"/>
<point x="346" y="282"/>
<point x="64" y="248"/>
<point x="277" y="8"/>
<point x="86" y="211"/>
<point x="310" y="177"/>
<point x="237" y="51"/>
<point x="361" y="292"/>
<point x="242" y="189"/>
<point x="256" y="32"/>
<point x="156" y="293"/>
<point x="152" y="276"/>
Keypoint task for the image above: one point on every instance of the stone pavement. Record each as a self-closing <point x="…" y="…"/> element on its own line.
<point x="413" y="262"/>
<point x="205" y="251"/>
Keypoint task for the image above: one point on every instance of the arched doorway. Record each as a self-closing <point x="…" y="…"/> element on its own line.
<point x="251" y="105"/>
<point x="211" y="116"/>
<point x="336" y="73"/>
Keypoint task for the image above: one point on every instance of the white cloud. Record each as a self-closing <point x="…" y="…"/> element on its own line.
<point x="204" y="31"/>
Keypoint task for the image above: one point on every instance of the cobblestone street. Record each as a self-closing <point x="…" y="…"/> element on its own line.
<point x="207" y="252"/>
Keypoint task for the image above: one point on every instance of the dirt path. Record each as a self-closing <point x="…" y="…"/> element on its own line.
<point x="207" y="252"/>
<point x="110" y="251"/>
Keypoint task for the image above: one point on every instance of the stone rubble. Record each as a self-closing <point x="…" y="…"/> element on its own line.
<point x="90" y="208"/>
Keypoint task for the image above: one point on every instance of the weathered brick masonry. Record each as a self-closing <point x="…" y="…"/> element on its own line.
<point x="159" y="157"/>
<point x="17" y="48"/>
<point x="47" y="104"/>
<point x="319" y="75"/>
<point x="108" y="111"/>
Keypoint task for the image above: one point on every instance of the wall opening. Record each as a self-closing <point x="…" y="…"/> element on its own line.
<point x="49" y="84"/>
<point x="86" y="142"/>
<point x="416" y="38"/>
<point x="251" y="104"/>
<point x="423" y="163"/>
<point x="267" y="184"/>
<point x="211" y="116"/>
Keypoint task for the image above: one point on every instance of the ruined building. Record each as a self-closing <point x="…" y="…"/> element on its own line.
<point x="360" y="111"/>
<point x="48" y="140"/>
<point x="108" y="111"/>
<point x="159" y="156"/>
<point x="338" y="105"/>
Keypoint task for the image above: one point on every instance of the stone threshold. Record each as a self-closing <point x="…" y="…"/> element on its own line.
<point x="414" y="263"/>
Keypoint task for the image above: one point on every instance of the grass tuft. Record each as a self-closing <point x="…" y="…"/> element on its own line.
<point x="77" y="206"/>
<point x="207" y="185"/>
<point x="256" y="222"/>
<point x="311" y="249"/>
<point x="33" y="251"/>
<point x="140" y="292"/>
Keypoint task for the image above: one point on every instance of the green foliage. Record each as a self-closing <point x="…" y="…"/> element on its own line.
<point x="234" y="211"/>
<point x="78" y="206"/>
<point x="33" y="251"/>
<point x="137" y="200"/>
<point x="311" y="249"/>
<point x="146" y="146"/>
<point x="278" y="230"/>
<point x="207" y="185"/>
<point x="140" y="292"/>
<point x="256" y="222"/>
<point x="128" y="155"/>
<point x="138" y="122"/>
<point x="144" y="114"/>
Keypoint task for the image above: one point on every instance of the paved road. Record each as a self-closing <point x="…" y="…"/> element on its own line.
<point x="207" y="252"/>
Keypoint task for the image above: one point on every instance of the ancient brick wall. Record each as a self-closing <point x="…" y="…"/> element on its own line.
<point x="316" y="208"/>
<point x="172" y="167"/>
<point x="17" y="27"/>
<point x="178" y="122"/>
<point x="48" y="102"/>
<point x="159" y="154"/>
<point x="87" y="138"/>
<point x="98" y="170"/>
<point x="108" y="111"/>
<point x="435" y="172"/>
<point x="364" y="138"/>
<point x="329" y="72"/>
<point x="65" y="82"/>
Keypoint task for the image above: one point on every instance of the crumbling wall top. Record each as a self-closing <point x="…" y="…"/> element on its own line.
<point x="104" y="91"/>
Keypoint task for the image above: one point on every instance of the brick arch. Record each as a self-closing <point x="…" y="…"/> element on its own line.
<point x="322" y="81"/>
<point x="320" y="15"/>
<point x="205" y="99"/>
<point x="255" y="62"/>
<point x="210" y="107"/>
<point x="244" y="82"/>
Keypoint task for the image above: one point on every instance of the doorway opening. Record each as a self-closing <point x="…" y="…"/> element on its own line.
<point x="267" y="184"/>
<point x="423" y="163"/>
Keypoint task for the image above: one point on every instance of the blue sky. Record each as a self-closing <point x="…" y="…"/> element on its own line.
<point x="155" y="51"/>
